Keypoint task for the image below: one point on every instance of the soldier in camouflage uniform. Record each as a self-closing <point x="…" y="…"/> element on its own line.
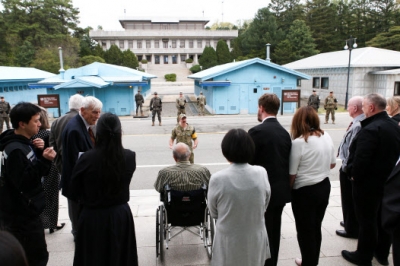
<point x="4" y="111"/>
<point x="330" y="107"/>
<point x="156" y="107"/>
<point x="180" y="105"/>
<point x="201" y="102"/>
<point x="313" y="100"/>
<point x="185" y="133"/>
<point x="139" y="102"/>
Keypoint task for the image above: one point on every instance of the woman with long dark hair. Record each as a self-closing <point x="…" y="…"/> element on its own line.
<point x="101" y="178"/>
<point x="311" y="158"/>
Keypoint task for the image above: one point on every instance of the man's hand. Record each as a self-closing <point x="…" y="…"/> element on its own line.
<point x="49" y="153"/>
<point x="38" y="143"/>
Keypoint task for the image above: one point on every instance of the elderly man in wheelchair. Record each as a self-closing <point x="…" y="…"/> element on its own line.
<point x="183" y="192"/>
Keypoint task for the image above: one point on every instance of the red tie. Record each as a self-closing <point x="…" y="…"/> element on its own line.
<point x="92" y="138"/>
<point x="351" y="123"/>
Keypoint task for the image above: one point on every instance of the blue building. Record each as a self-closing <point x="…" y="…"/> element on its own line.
<point x="234" y="88"/>
<point x="115" y="86"/>
<point x="14" y="83"/>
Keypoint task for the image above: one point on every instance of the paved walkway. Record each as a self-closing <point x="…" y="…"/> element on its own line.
<point x="188" y="250"/>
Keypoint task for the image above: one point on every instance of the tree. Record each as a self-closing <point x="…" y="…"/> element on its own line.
<point x="387" y="40"/>
<point x="86" y="60"/>
<point x="208" y="58"/>
<point x="113" y="55"/>
<point x="284" y="52"/>
<point x="46" y="60"/>
<point x="319" y="18"/>
<point x="25" y="54"/>
<point x="301" y="40"/>
<point x="129" y="59"/>
<point x="261" y="31"/>
<point x="223" y="54"/>
<point x="98" y="51"/>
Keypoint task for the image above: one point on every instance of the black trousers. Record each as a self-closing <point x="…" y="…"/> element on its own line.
<point x="309" y="205"/>
<point x="30" y="234"/>
<point x="273" y="221"/>
<point x="396" y="246"/>
<point x="349" y="214"/>
<point x="74" y="210"/>
<point x="371" y="237"/>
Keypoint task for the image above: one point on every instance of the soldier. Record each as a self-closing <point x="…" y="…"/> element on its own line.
<point x="4" y="111"/>
<point x="201" y="102"/>
<point x="313" y="100"/>
<point x="185" y="133"/>
<point x="180" y="105"/>
<point x="330" y="107"/>
<point x="139" y="102"/>
<point x="156" y="107"/>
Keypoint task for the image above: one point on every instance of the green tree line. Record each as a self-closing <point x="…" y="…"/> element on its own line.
<point x="32" y="30"/>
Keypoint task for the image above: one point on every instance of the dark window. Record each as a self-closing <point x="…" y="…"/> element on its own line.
<point x="396" y="88"/>
<point x="255" y="90"/>
<point x="315" y="83"/>
<point x="324" y="83"/>
<point x="299" y="83"/>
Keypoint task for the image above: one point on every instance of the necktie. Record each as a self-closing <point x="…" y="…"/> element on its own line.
<point x="92" y="138"/>
<point x="351" y="123"/>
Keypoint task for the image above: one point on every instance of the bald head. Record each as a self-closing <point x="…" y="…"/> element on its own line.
<point x="354" y="107"/>
<point x="181" y="152"/>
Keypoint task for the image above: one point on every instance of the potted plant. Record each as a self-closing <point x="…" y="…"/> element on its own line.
<point x="189" y="62"/>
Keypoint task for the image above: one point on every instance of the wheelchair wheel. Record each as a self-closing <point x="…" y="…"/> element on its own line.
<point x="208" y="233"/>
<point x="158" y="232"/>
<point x="162" y="232"/>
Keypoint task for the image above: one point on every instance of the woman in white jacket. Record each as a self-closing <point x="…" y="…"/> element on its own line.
<point x="237" y="198"/>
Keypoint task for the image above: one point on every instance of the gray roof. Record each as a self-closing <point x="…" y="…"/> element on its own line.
<point x="225" y="68"/>
<point x="360" y="57"/>
<point x="386" y="72"/>
<point x="22" y="73"/>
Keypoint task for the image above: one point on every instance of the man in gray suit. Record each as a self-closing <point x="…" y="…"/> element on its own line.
<point x="57" y="127"/>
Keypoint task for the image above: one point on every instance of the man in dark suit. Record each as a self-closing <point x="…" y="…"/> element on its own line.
<point x="77" y="137"/>
<point x="373" y="153"/>
<point x="57" y="127"/>
<point x="273" y="144"/>
<point x="391" y="211"/>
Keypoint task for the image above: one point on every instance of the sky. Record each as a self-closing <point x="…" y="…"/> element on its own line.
<point x="108" y="13"/>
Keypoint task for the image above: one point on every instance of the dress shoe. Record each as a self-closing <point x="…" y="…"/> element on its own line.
<point x="298" y="261"/>
<point x="382" y="261"/>
<point x="342" y="224"/>
<point x="52" y="230"/>
<point x="353" y="258"/>
<point x="343" y="233"/>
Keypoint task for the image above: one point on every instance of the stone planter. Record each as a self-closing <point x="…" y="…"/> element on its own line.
<point x="144" y="66"/>
<point x="189" y="65"/>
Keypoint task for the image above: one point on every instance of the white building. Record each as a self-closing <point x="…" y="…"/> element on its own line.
<point x="163" y="41"/>
<point x="372" y="70"/>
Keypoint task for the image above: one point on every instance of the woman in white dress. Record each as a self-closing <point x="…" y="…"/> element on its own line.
<point x="237" y="198"/>
<point x="311" y="158"/>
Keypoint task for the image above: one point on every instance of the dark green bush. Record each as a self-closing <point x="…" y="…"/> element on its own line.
<point x="189" y="60"/>
<point x="195" y="69"/>
<point x="144" y="61"/>
<point x="170" y="77"/>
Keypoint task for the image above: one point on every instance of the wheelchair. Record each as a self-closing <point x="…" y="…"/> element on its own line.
<point x="185" y="209"/>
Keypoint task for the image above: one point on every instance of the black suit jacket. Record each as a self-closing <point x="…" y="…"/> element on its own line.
<point x="273" y="146"/>
<point x="57" y="128"/>
<point x="75" y="139"/>
<point x="391" y="201"/>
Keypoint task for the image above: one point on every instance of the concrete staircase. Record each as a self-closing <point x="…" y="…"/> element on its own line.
<point x="160" y="70"/>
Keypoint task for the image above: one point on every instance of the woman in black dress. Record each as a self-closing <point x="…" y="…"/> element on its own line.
<point x="100" y="179"/>
<point x="51" y="182"/>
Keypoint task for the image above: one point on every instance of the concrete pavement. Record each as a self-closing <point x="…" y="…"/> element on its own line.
<point x="188" y="250"/>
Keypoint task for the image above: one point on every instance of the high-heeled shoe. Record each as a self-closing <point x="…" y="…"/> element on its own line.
<point x="52" y="230"/>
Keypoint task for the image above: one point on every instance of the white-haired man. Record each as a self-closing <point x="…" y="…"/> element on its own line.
<point x="77" y="137"/>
